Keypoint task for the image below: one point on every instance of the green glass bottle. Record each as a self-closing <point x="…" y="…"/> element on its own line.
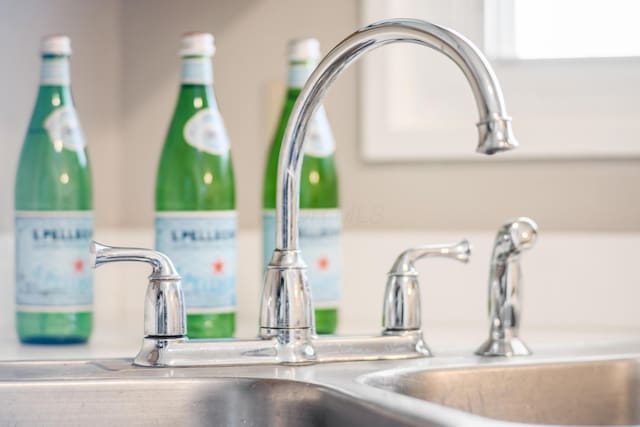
<point x="54" y="218"/>
<point x="196" y="222"/>
<point x="320" y="220"/>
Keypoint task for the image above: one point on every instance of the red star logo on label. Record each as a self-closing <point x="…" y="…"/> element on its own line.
<point x="323" y="263"/>
<point x="218" y="266"/>
<point x="78" y="265"/>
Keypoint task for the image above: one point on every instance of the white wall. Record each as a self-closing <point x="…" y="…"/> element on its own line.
<point x="570" y="195"/>
<point x="125" y="72"/>
<point x="590" y="293"/>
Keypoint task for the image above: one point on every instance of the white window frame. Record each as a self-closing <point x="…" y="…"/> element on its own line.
<point x="562" y="109"/>
<point x="501" y="32"/>
<point x="499" y="29"/>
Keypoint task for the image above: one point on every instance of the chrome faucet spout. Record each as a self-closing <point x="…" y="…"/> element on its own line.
<point x="494" y="124"/>
<point x="286" y="300"/>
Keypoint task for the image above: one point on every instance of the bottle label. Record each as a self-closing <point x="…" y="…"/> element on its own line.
<point x="319" y="141"/>
<point x="299" y="72"/>
<point x="205" y="131"/>
<point x="202" y="246"/>
<point x="320" y="243"/>
<point x="55" y="72"/>
<point x="63" y="128"/>
<point x="53" y="271"/>
<point x="197" y="71"/>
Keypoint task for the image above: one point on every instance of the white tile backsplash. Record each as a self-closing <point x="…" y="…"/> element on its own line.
<point x="580" y="283"/>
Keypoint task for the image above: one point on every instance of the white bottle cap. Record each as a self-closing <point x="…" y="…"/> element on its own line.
<point x="304" y="50"/>
<point x="197" y="44"/>
<point x="55" y="45"/>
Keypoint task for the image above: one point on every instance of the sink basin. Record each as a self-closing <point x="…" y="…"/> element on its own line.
<point x="115" y="393"/>
<point x="185" y="402"/>
<point x="601" y="386"/>
<point x="605" y="392"/>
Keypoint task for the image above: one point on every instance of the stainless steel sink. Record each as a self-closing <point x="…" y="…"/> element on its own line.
<point x="597" y="392"/>
<point x="600" y="386"/>
<point x="225" y="402"/>
<point x="115" y="393"/>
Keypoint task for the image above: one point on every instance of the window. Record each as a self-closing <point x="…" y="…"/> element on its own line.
<point x="547" y="29"/>
<point x="415" y="104"/>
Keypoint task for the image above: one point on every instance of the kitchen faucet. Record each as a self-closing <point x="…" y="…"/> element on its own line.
<point x="287" y="332"/>
<point x="287" y="312"/>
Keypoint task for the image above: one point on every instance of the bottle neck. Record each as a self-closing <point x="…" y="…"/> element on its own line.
<point x="54" y="91"/>
<point x="196" y="70"/>
<point x="55" y="71"/>
<point x="299" y="73"/>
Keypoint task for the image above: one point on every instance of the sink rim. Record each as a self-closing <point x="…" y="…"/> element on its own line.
<point x="378" y="379"/>
<point x="353" y="379"/>
<point x="501" y="362"/>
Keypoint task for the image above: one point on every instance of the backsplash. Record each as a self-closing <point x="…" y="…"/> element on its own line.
<point x="569" y="284"/>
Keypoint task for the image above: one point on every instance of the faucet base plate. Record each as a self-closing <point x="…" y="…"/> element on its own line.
<point x="503" y="347"/>
<point x="182" y="352"/>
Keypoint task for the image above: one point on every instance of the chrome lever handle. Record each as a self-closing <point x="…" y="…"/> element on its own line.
<point x="162" y="265"/>
<point x="164" y="308"/>
<point x="505" y="279"/>
<point x="404" y="264"/>
<point x="401" y="311"/>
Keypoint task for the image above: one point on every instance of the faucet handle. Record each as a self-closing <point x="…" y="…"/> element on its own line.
<point x="505" y="279"/>
<point x="401" y="311"/>
<point x="164" y="309"/>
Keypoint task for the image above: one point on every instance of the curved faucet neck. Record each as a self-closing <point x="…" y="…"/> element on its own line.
<point x="494" y="124"/>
